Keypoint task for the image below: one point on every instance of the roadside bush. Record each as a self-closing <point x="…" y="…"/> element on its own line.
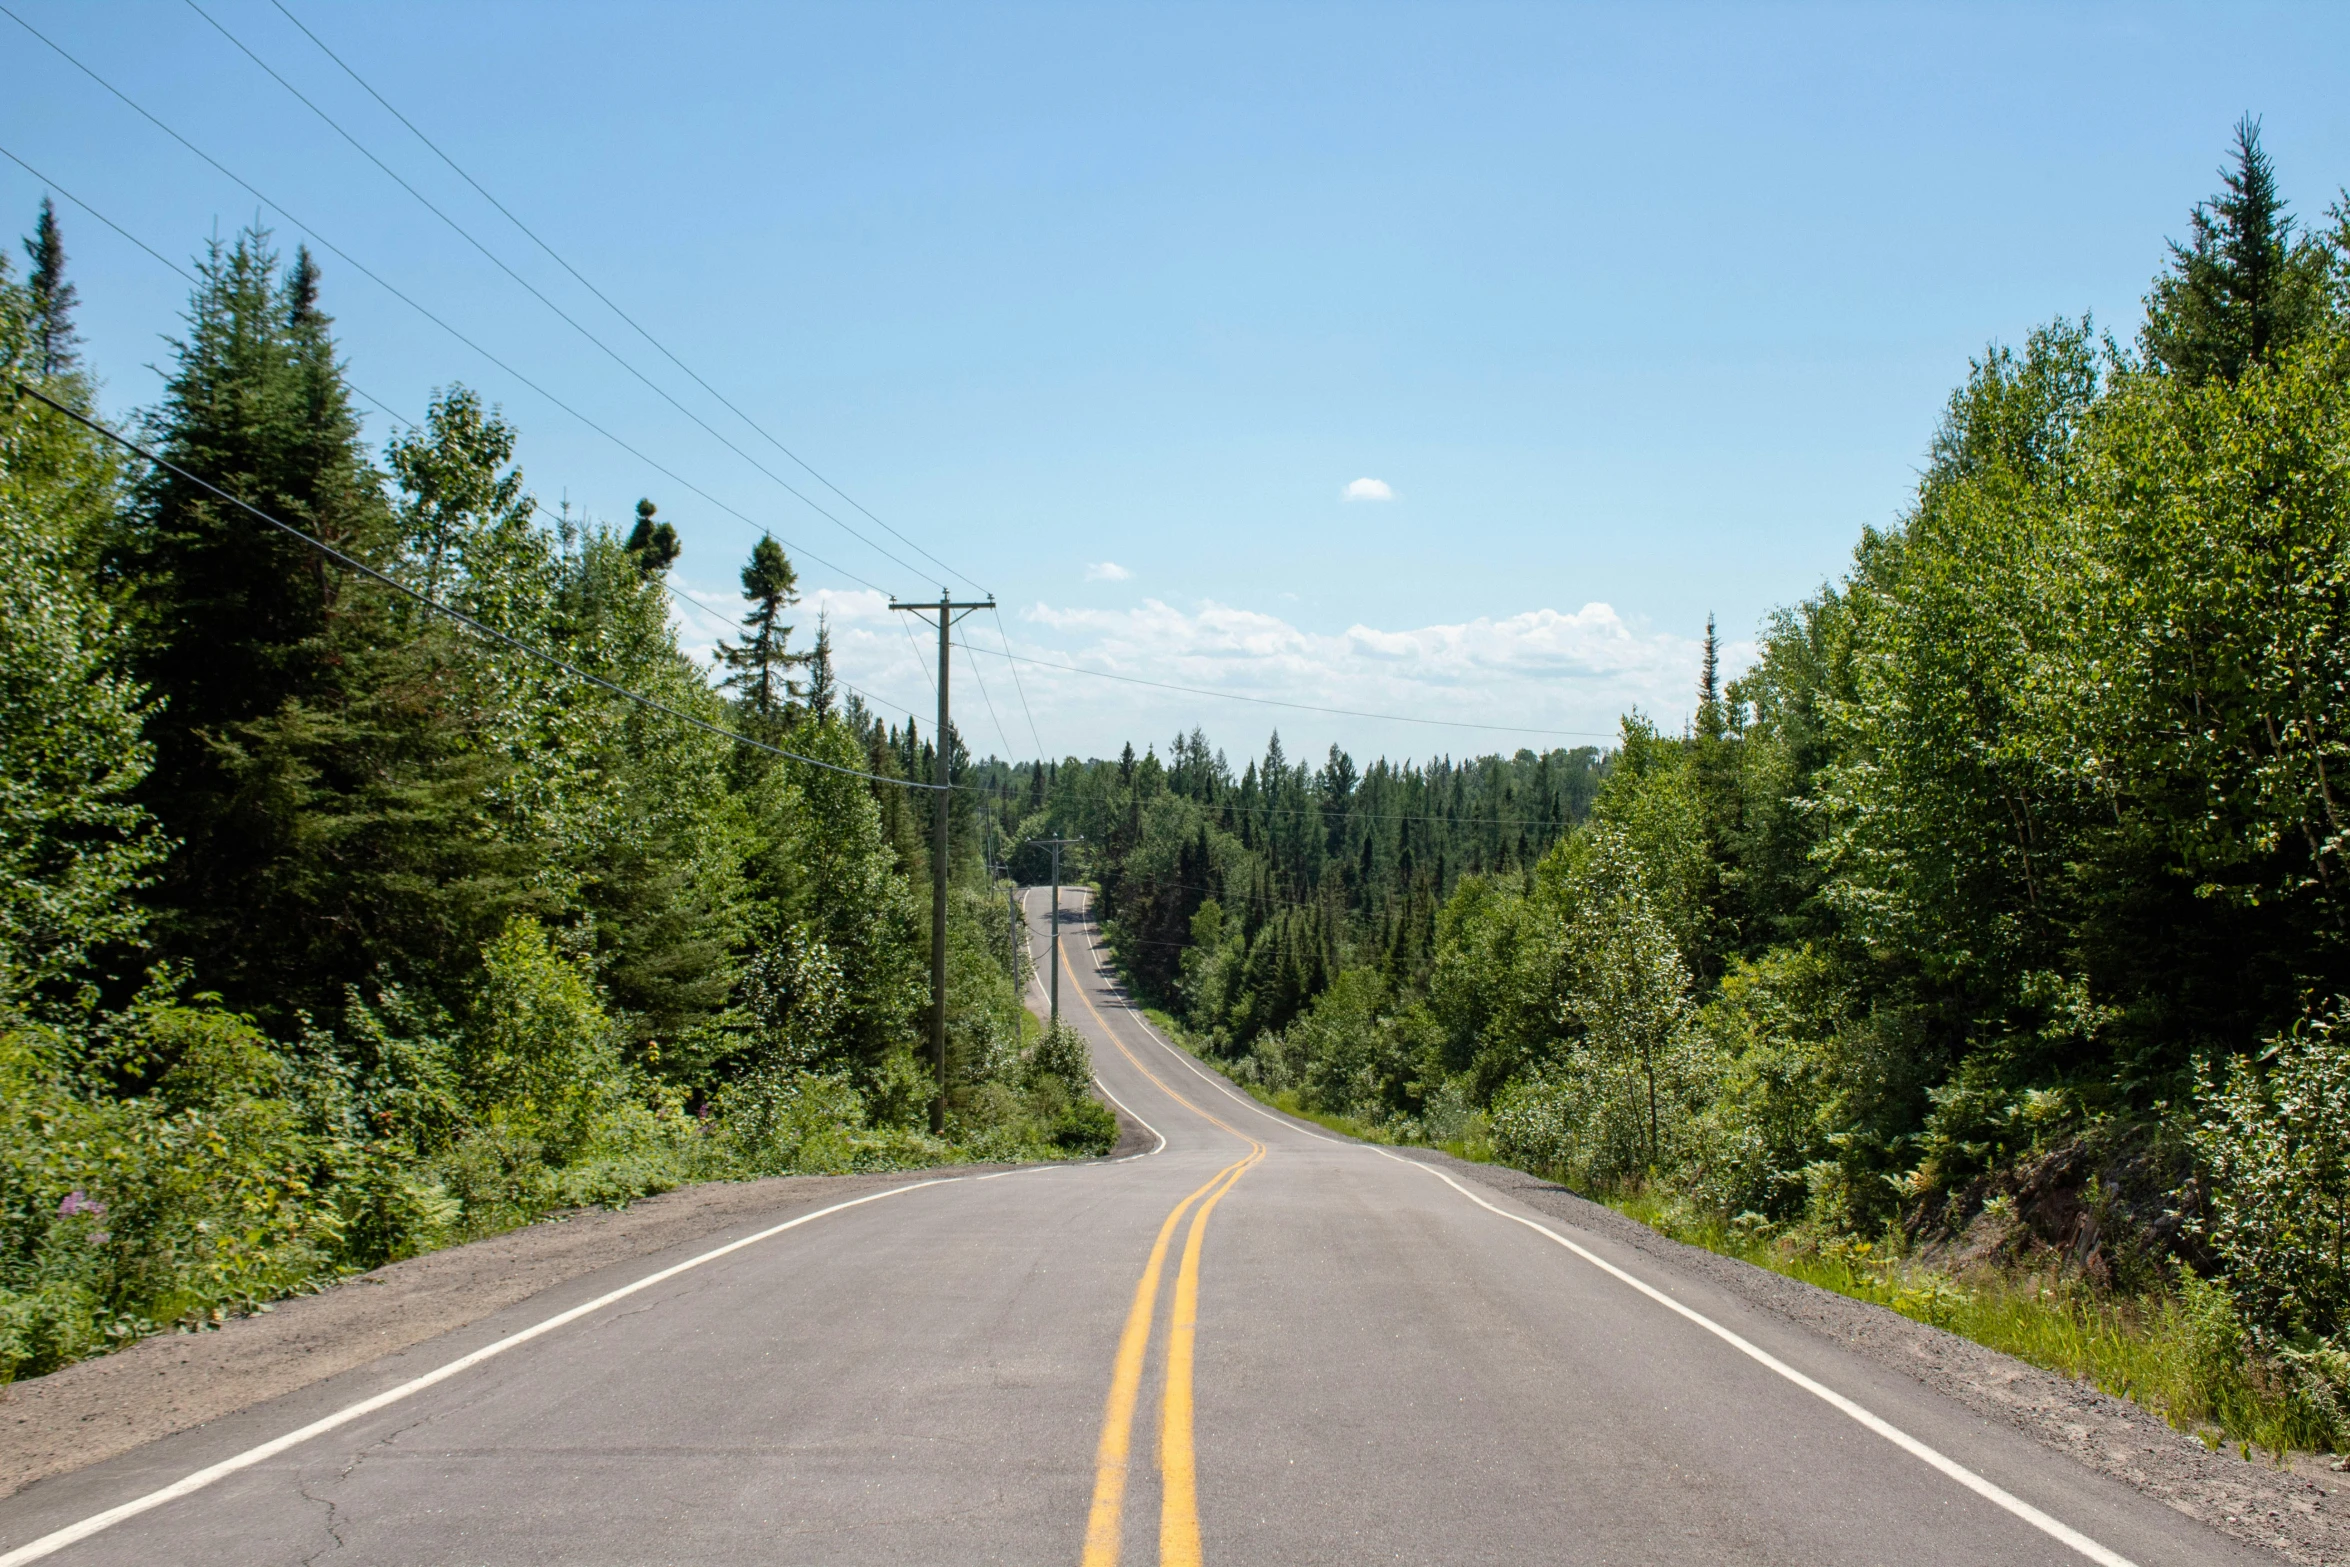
<point x="1062" y="1053"/>
<point x="118" y="1216"/>
<point x="2271" y="1134"/>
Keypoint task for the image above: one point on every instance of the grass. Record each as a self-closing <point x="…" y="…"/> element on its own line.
<point x="2178" y="1354"/>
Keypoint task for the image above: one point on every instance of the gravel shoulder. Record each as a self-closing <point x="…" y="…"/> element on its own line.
<point x="2300" y="1515"/>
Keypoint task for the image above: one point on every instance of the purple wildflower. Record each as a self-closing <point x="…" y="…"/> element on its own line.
<point x="76" y="1202"/>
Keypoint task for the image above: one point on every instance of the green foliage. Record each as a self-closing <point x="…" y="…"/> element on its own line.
<point x="2270" y="1134"/>
<point x="74" y="844"/>
<point x="2243" y="289"/>
<point x="1061" y="1052"/>
<point x="2035" y="808"/>
<point x="477" y="939"/>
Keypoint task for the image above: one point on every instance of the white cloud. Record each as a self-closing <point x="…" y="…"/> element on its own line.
<point x="1107" y="571"/>
<point x="1539" y="678"/>
<point x="1370" y="490"/>
<point x="1560" y="674"/>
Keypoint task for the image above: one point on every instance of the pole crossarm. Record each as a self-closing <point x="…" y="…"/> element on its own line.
<point x="948" y="612"/>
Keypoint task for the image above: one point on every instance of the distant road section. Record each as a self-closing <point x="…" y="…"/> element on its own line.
<point x="1249" y="1343"/>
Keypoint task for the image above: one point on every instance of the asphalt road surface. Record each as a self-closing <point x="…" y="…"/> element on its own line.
<point x="1253" y="1344"/>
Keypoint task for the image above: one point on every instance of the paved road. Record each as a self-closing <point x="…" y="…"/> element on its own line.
<point x="1253" y="1345"/>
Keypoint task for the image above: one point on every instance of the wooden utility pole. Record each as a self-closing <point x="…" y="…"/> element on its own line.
<point x="1055" y="845"/>
<point x="942" y="788"/>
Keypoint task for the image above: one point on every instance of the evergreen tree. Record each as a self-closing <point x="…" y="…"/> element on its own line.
<point x="2245" y="288"/>
<point x="760" y="661"/>
<point x="52" y="298"/>
<point x="324" y="788"/>
<point x="654" y="544"/>
<point x="822" y="692"/>
<point x="1710" y="724"/>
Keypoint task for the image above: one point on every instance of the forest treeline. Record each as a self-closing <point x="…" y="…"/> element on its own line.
<point x="331" y="930"/>
<point x="1998" y="908"/>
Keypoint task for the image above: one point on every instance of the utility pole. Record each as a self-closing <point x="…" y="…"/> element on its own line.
<point x="1012" y="907"/>
<point x="947" y="617"/>
<point x="1055" y="845"/>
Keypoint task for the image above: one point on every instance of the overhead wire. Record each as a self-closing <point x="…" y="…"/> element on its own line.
<point x="722" y="618"/>
<point x="920" y="662"/>
<point x="1007" y="654"/>
<point x="382" y="407"/>
<point x="965" y="644"/>
<point x="532" y="289"/>
<point x="1017" y="684"/>
<point x="378" y="404"/>
<point x="607" y="301"/>
<point x="478" y="627"/>
<point x="369" y="273"/>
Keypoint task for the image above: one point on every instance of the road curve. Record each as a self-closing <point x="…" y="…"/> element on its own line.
<point x="1254" y="1343"/>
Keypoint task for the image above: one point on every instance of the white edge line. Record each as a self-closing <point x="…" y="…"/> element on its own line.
<point x="1202" y="1073"/>
<point x="1035" y="983"/>
<point x="2053" y="1528"/>
<point x="1138" y="1120"/>
<point x="58" y="1540"/>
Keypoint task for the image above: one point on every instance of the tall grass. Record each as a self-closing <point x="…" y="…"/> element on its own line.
<point x="2180" y="1353"/>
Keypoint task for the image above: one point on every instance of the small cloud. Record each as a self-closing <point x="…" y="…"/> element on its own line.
<point x="1370" y="490"/>
<point x="1107" y="571"/>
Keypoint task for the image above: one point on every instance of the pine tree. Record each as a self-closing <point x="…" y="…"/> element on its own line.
<point x="53" y="298"/>
<point x="654" y="545"/>
<point x="760" y="661"/>
<point x="1710" y="725"/>
<point x="822" y="692"/>
<point x="2245" y="288"/>
<point x="324" y="790"/>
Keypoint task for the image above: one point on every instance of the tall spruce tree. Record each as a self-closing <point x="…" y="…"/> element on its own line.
<point x="74" y="849"/>
<point x="822" y="692"/>
<point x="321" y="786"/>
<point x="760" y="661"/>
<point x="52" y="298"/>
<point x="2245" y="287"/>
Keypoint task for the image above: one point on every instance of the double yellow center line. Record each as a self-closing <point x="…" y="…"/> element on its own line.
<point x="1179" y="1539"/>
<point x="1178" y="1466"/>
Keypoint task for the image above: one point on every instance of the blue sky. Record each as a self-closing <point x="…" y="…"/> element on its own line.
<point x="1638" y="313"/>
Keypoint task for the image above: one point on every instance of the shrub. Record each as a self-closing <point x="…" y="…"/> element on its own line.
<point x="2270" y="1134"/>
<point x="1062" y="1053"/>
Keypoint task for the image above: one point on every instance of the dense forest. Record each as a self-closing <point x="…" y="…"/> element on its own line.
<point x="332" y="929"/>
<point x="1998" y="909"/>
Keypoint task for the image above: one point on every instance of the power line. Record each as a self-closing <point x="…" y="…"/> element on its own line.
<point x="479" y="628"/>
<point x="1303" y="707"/>
<point x="990" y="701"/>
<point x="1019" y="685"/>
<point x="720" y="616"/>
<point x="532" y="289"/>
<point x="640" y="331"/>
<point x="369" y="273"/>
<point x="380" y="406"/>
